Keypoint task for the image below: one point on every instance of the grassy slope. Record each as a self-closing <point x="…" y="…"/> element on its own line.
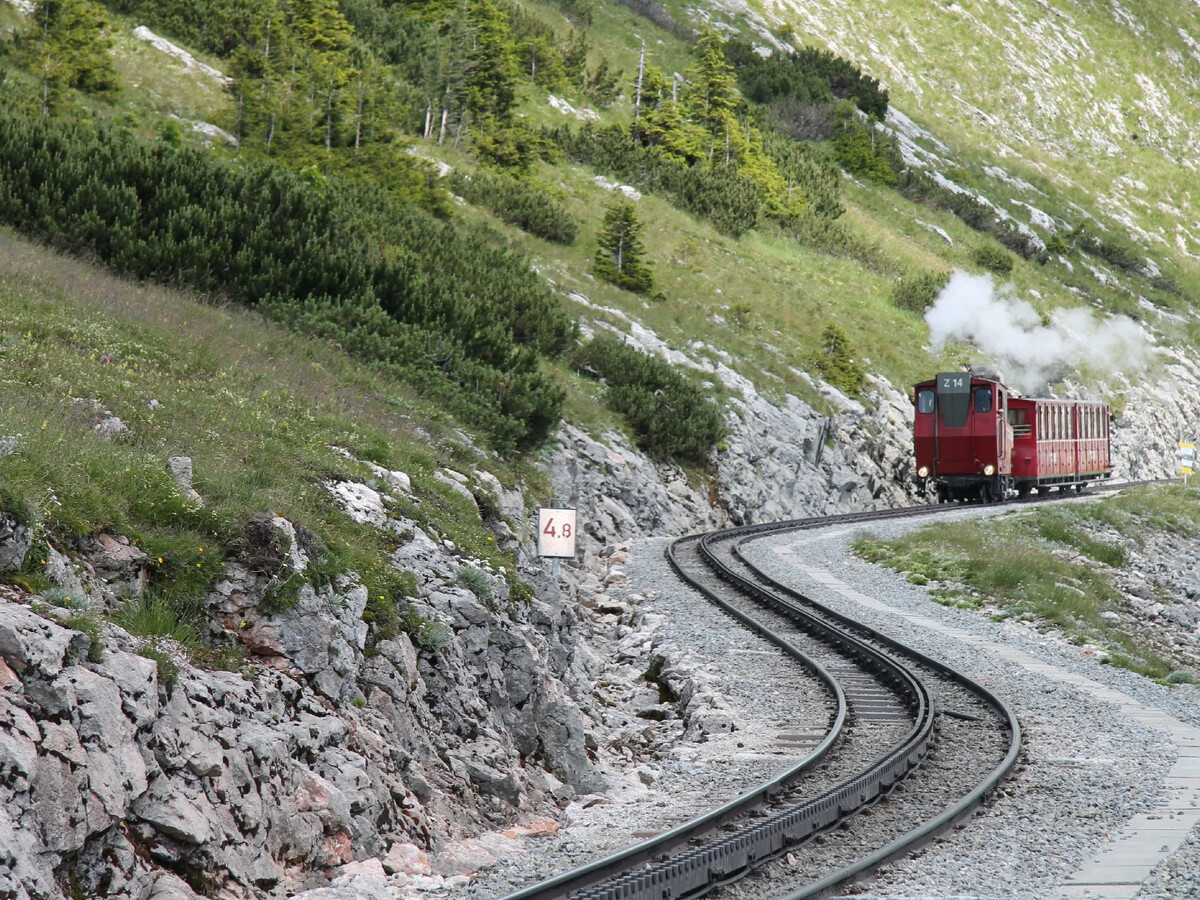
<point x="1049" y="566"/>
<point x="1078" y="95"/>
<point x="258" y="409"/>
<point x="792" y="291"/>
<point x="785" y="292"/>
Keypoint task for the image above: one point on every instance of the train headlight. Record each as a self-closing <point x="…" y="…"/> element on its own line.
<point x="923" y="472"/>
<point x="989" y="470"/>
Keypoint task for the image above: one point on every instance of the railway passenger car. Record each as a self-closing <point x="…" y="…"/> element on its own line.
<point x="974" y="440"/>
<point x="1063" y="443"/>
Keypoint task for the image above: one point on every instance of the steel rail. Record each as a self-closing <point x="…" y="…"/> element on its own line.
<point x="738" y="853"/>
<point x="725" y="858"/>
<point x="955" y="813"/>
<point x="655" y="848"/>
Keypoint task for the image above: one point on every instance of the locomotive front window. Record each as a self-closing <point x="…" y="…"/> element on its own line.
<point x="925" y="401"/>
<point x="983" y="400"/>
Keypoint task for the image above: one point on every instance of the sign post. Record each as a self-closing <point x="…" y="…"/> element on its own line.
<point x="556" y="533"/>
<point x="1187" y="459"/>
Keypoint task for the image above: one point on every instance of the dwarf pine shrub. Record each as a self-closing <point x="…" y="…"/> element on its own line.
<point x="518" y="202"/>
<point x="458" y="317"/>
<point x="917" y="291"/>
<point x="671" y="416"/>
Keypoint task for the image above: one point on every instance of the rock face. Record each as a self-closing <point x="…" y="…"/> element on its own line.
<point x="325" y="750"/>
<point x="777" y="462"/>
<point x="15" y="540"/>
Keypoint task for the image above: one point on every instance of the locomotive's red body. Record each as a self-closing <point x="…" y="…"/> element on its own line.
<point x="975" y="441"/>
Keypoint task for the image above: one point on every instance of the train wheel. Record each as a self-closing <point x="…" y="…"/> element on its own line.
<point x="1079" y="488"/>
<point x="985" y="493"/>
<point x="943" y="494"/>
<point x="1022" y="491"/>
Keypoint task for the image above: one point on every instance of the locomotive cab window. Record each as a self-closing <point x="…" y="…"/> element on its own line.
<point x="925" y="401"/>
<point x="983" y="400"/>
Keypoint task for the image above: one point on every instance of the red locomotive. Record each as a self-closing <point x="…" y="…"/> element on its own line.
<point x="975" y="440"/>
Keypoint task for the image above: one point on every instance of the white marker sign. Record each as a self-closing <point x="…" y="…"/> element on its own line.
<point x="556" y="532"/>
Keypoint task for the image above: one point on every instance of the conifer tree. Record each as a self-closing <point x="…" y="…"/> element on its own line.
<point x="70" y="49"/>
<point x="325" y="35"/>
<point x="712" y="92"/>
<point x="620" y="258"/>
<point x="490" y="77"/>
<point x="835" y="362"/>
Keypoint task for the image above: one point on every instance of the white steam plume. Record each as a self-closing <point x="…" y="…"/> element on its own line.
<point x="1032" y="354"/>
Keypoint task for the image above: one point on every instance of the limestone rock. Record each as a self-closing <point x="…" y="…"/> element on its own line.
<point x="180" y="468"/>
<point x="15" y="541"/>
<point x="110" y="428"/>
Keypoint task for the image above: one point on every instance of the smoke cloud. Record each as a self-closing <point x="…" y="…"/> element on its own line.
<point x="1031" y="353"/>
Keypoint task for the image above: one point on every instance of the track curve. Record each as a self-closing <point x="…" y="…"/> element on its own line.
<point x="817" y="794"/>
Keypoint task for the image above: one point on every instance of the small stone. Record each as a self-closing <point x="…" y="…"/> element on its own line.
<point x="372" y="868"/>
<point x="109" y="428"/>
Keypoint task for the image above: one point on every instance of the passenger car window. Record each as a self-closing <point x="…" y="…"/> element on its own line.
<point x="925" y="401"/>
<point x="983" y="400"/>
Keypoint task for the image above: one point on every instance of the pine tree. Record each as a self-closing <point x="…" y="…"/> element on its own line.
<point x="575" y="59"/>
<point x="835" y="362"/>
<point x="712" y="94"/>
<point x="490" y="78"/>
<point x="620" y="258"/>
<point x="70" y="49"/>
<point x="325" y="36"/>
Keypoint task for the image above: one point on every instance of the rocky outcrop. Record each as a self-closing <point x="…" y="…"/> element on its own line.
<point x="324" y="748"/>
<point x="778" y="461"/>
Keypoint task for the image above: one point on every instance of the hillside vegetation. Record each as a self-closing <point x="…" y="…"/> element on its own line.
<point x="444" y="190"/>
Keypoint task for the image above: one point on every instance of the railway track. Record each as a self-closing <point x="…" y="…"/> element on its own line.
<point x="900" y="725"/>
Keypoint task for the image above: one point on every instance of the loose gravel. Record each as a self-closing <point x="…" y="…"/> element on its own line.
<point x="1085" y="770"/>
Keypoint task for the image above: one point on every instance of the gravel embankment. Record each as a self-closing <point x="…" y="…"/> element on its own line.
<point x="1086" y="768"/>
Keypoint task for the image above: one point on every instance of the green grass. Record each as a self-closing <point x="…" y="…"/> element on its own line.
<point x="1015" y="567"/>
<point x="765" y="299"/>
<point x="260" y="412"/>
<point x="155" y="617"/>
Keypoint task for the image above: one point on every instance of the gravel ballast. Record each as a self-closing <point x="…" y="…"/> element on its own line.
<point x="1085" y="771"/>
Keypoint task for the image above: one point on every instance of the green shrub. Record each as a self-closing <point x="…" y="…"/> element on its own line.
<point x="836" y="364"/>
<point x="479" y="583"/>
<point x="808" y="74"/>
<point x="723" y="196"/>
<point x="861" y="149"/>
<point x="671" y="416"/>
<point x="1112" y="250"/>
<point x="718" y="193"/>
<point x="993" y="258"/>
<point x="1182" y="676"/>
<point x="919" y="186"/>
<point x="519" y="203"/>
<point x="89" y="625"/>
<point x="426" y="634"/>
<point x="519" y="591"/>
<point x="16" y="507"/>
<point x="64" y="599"/>
<point x="168" y="669"/>
<point x="916" y="292"/>
<point x="458" y="317"/>
<point x="1057" y="244"/>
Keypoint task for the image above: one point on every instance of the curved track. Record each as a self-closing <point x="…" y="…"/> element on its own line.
<point x="902" y="724"/>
